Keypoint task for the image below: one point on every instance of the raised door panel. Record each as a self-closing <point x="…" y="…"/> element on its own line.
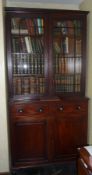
<point x="30" y="140"/>
<point x="69" y="135"/>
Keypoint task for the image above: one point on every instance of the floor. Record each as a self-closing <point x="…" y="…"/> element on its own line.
<point x="64" y="169"/>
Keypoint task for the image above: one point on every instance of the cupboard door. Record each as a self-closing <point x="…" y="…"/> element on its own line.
<point x="30" y="141"/>
<point x="67" y="51"/>
<point x="69" y="134"/>
<point x="28" y="48"/>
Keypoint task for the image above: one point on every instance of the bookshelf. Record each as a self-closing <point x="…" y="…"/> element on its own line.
<point x="46" y="70"/>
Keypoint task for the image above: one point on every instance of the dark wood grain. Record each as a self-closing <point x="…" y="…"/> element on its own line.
<point x="46" y="129"/>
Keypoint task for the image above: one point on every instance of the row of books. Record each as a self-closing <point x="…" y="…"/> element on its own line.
<point x="67" y="65"/>
<point x="68" y="79"/>
<point x="67" y="45"/>
<point x="27" y="44"/>
<point x="28" y="64"/>
<point x="34" y="64"/>
<point x="37" y="85"/>
<point x="28" y="85"/>
<point x="64" y="88"/>
<point x="31" y="25"/>
<point x="36" y="26"/>
<point x="68" y="27"/>
<point x="67" y="83"/>
<point x="69" y="88"/>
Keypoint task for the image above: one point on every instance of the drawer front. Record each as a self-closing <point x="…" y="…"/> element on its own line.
<point x="29" y="109"/>
<point x="70" y="107"/>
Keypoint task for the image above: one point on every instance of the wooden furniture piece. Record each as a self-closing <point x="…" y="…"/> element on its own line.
<point x="85" y="161"/>
<point x="46" y="67"/>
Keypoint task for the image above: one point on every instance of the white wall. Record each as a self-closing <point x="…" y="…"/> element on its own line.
<point x="4" y="165"/>
<point x="87" y="5"/>
<point x="43" y="5"/>
<point x="4" y="157"/>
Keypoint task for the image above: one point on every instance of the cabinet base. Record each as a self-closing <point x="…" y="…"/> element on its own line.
<point x="66" y="168"/>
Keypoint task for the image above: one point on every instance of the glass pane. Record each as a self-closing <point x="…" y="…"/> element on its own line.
<point x="78" y="65"/>
<point x="77" y="27"/>
<point x="32" y="26"/>
<point x="63" y="38"/>
<point x="78" y="47"/>
<point x="28" y="56"/>
<point x="64" y="74"/>
<point x="67" y="54"/>
<point x="64" y="83"/>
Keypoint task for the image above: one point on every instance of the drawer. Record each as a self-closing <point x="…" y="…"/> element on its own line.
<point x="70" y="107"/>
<point x="29" y="109"/>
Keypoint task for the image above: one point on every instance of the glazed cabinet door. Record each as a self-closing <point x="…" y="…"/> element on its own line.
<point x="27" y="55"/>
<point x="68" y="54"/>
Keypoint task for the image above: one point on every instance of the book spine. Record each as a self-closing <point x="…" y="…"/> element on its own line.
<point x="17" y="83"/>
<point x="26" y="86"/>
<point x="32" y="85"/>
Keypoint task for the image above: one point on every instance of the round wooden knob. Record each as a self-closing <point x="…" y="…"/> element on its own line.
<point x="78" y="107"/>
<point x="40" y="110"/>
<point x="20" y="110"/>
<point x="61" y="108"/>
